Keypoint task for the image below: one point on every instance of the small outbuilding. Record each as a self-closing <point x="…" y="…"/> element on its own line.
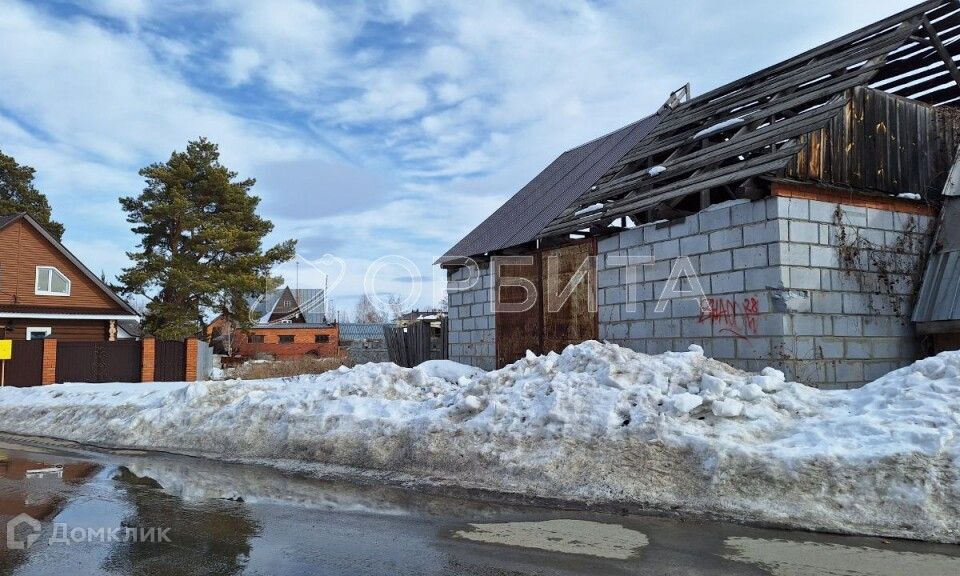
<point x="782" y="219"/>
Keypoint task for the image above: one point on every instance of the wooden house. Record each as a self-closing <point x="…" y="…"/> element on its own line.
<point x="46" y="292"/>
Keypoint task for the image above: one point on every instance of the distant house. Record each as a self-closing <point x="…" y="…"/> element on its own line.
<point x="433" y="316"/>
<point x="288" y="323"/>
<point x="46" y="292"/>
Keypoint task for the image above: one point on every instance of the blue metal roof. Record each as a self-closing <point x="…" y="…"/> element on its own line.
<point x="362" y="331"/>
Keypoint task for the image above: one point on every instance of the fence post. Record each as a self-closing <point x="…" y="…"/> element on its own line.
<point x="49" y="371"/>
<point x="190" y="360"/>
<point x="148" y="355"/>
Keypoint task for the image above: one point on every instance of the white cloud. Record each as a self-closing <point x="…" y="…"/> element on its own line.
<point x="457" y="105"/>
<point x="241" y="63"/>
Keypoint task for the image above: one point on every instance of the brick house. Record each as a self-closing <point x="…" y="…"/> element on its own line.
<point x="290" y="324"/>
<point x="782" y="219"/>
<point x="46" y="292"/>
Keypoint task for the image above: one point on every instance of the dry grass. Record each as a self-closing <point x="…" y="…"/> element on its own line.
<point x="291" y="367"/>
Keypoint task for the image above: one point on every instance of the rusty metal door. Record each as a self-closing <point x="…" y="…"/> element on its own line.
<point x="556" y="319"/>
<point x="25" y="368"/>
<point x="517" y="331"/>
<point x="569" y="318"/>
<point x="170" y="362"/>
<point x="98" y="362"/>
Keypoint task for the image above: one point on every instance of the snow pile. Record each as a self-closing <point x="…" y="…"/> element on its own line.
<point x="597" y="423"/>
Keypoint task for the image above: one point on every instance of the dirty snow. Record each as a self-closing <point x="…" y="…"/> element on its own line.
<point x="598" y="423"/>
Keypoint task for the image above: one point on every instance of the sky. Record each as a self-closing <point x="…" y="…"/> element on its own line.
<point x="387" y="129"/>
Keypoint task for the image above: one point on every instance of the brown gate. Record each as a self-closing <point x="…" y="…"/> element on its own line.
<point x="98" y="361"/>
<point x="573" y="319"/>
<point x="25" y="368"/>
<point x="518" y="330"/>
<point x="170" y="362"/>
<point x="556" y="319"/>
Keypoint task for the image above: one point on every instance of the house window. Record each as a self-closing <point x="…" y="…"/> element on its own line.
<point x="38" y="333"/>
<point x="51" y="282"/>
<point x="322" y="338"/>
<point x="255" y="339"/>
<point x="286" y="339"/>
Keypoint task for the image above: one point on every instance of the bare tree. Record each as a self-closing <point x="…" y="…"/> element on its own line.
<point x="367" y="312"/>
<point x="395" y="307"/>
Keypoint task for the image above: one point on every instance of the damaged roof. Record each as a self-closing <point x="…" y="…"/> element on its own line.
<point x="727" y="138"/>
<point x="525" y="215"/>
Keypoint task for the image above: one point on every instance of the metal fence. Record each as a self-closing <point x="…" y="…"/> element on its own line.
<point x="25" y="367"/>
<point x="170" y="361"/>
<point x="98" y="361"/>
<point x="205" y="359"/>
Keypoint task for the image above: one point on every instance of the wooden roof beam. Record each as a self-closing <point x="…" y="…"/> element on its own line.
<point x="941" y="49"/>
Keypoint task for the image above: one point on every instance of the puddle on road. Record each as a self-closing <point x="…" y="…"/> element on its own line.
<point x="568" y="536"/>
<point x="785" y="558"/>
<point x="37" y="487"/>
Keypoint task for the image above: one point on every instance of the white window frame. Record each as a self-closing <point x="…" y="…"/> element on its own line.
<point x="50" y="270"/>
<point x="46" y="329"/>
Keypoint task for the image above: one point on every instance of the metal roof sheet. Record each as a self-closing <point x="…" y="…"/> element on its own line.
<point x="939" y="298"/>
<point x="354" y="331"/>
<point x="526" y="214"/>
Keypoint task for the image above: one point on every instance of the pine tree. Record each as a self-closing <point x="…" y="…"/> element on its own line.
<point x="17" y="194"/>
<point x="201" y="242"/>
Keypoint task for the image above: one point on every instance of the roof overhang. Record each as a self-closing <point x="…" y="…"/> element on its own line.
<point x="43" y="316"/>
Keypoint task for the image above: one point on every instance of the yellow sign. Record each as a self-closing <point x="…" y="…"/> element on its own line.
<point x="6" y="349"/>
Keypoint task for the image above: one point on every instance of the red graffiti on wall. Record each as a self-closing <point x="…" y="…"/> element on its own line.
<point x="739" y="318"/>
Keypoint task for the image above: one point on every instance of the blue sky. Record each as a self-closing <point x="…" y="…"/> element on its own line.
<point x="387" y="128"/>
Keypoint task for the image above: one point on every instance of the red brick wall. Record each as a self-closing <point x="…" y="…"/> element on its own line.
<point x="304" y="342"/>
<point x="191" y="360"/>
<point x="147" y="360"/>
<point x="49" y="373"/>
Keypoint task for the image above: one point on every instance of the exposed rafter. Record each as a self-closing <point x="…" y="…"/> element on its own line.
<point x="717" y="144"/>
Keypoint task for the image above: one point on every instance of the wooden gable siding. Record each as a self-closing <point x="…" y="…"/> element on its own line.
<point x="881" y="142"/>
<point x="22" y="249"/>
<point x="64" y="330"/>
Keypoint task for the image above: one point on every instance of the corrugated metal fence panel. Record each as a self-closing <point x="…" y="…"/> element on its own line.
<point x="170" y="361"/>
<point x="25" y="368"/>
<point x="939" y="298"/>
<point x="204" y="360"/>
<point x="99" y="362"/>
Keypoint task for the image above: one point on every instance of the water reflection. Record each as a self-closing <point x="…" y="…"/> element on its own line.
<point x="212" y="538"/>
<point x="37" y="488"/>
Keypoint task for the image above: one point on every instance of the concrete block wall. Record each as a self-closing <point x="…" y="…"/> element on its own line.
<point x="472" y="323"/>
<point x="732" y="250"/>
<point x="781" y="290"/>
<point x="850" y="275"/>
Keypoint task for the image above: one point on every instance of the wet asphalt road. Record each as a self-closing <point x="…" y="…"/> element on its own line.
<point x="238" y="519"/>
